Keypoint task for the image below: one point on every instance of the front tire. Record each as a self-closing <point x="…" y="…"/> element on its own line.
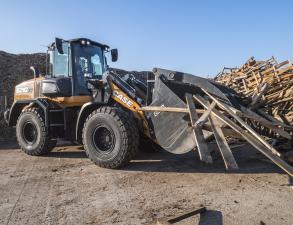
<point x="110" y="137"/>
<point x="31" y="133"/>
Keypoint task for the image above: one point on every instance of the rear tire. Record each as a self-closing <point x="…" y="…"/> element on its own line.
<point x="110" y="137"/>
<point x="31" y="133"/>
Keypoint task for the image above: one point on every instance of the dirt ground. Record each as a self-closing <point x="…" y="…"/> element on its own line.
<point x="64" y="187"/>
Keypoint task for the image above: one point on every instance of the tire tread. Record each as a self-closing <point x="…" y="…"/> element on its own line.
<point x="46" y="144"/>
<point x="129" y="135"/>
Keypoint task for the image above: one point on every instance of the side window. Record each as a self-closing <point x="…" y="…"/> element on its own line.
<point x="61" y="62"/>
<point x="97" y="66"/>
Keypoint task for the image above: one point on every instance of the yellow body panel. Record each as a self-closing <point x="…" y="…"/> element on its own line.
<point x="71" y="101"/>
<point x="31" y="89"/>
<point x="123" y="99"/>
<point x="25" y="90"/>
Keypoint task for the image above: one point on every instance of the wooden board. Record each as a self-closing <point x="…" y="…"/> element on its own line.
<point x="252" y="139"/>
<point x="167" y="109"/>
<point x="229" y="160"/>
<point x="247" y="127"/>
<point x="181" y="217"/>
<point x="202" y="147"/>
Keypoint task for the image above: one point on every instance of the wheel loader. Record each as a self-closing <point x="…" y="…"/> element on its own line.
<point x="83" y="100"/>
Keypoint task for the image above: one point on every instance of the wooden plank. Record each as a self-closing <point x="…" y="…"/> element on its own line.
<point x="269" y="117"/>
<point x="167" y="109"/>
<point x="202" y="147"/>
<point x="247" y="127"/>
<point x="261" y="93"/>
<point x="265" y="122"/>
<point x="228" y="132"/>
<point x="249" y="138"/>
<point x="277" y="67"/>
<point x="205" y="115"/>
<point x="253" y="73"/>
<point x="181" y="217"/>
<point x="244" y="84"/>
<point x="229" y="160"/>
<point x="252" y="115"/>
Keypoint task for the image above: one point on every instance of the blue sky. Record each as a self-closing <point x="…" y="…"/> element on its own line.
<point x="198" y="37"/>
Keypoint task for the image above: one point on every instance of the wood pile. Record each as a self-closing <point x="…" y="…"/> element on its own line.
<point x="268" y="85"/>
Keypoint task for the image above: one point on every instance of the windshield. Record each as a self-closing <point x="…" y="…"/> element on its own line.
<point x="89" y="61"/>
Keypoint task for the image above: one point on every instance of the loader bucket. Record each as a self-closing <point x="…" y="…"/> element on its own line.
<point x="172" y="130"/>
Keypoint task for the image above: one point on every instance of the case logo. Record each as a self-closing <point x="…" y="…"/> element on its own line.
<point x="20" y="90"/>
<point x="123" y="98"/>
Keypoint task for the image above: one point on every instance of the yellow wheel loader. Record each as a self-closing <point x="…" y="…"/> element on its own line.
<point x="82" y="100"/>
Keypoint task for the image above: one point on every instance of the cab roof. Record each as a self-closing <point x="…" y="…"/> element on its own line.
<point x="79" y="40"/>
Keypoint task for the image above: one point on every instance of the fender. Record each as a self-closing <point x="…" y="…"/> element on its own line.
<point x="84" y="112"/>
<point x="17" y="107"/>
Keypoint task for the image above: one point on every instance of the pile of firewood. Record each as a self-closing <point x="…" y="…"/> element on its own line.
<point x="268" y="85"/>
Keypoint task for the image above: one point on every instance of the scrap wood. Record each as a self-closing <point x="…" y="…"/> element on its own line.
<point x="268" y="84"/>
<point x="241" y="118"/>
<point x="229" y="160"/>
<point x="224" y="121"/>
<point x="243" y="129"/>
<point x="202" y="147"/>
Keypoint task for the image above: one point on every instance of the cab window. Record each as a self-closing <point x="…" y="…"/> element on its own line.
<point x="61" y="62"/>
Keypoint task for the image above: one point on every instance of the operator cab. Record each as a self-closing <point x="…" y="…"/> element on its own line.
<point x="75" y="67"/>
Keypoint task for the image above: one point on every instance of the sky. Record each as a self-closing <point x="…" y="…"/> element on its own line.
<point x="198" y="37"/>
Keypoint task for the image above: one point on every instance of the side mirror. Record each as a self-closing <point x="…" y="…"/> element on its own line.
<point x="58" y="43"/>
<point x="114" y="54"/>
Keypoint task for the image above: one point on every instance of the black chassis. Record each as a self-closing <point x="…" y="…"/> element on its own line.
<point x="59" y="122"/>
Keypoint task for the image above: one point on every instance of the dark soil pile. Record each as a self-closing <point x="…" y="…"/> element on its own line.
<point x="13" y="70"/>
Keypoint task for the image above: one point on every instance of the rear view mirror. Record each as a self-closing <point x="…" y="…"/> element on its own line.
<point x="58" y="43"/>
<point x="114" y="54"/>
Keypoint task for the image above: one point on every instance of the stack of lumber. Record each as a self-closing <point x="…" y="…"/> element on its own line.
<point x="268" y="85"/>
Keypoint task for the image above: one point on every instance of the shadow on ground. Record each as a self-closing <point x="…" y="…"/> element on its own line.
<point x="248" y="159"/>
<point x="67" y="154"/>
<point x="211" y="217"/>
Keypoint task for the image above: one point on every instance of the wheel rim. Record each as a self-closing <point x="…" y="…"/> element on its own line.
<point x="29" y="133"/>
<point x="103" y="139"/>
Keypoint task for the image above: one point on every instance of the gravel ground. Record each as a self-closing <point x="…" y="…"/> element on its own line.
<point x="64" y="187"/>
